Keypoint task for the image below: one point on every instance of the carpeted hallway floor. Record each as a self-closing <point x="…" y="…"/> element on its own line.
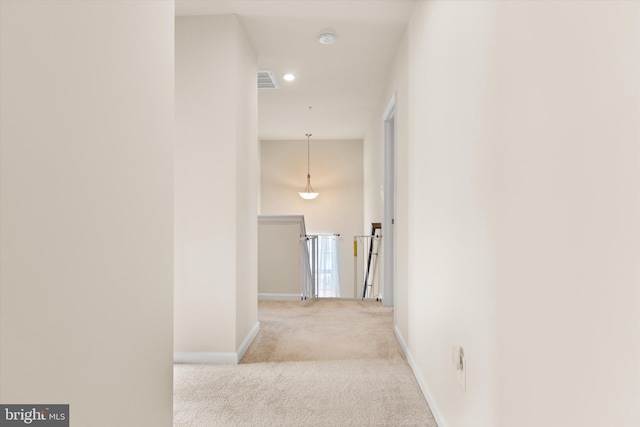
<point x="322" y="363"/>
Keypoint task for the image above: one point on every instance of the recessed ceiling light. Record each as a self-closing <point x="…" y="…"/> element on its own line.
<point x="289" y="77"/>
<point x="327" y="38"/>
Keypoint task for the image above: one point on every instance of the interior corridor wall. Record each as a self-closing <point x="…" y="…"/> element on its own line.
<point x="247" y="189"/>
<point x="565" y="144"/>
<point x="451" y="256"/>
<point x="216" y="184"/>
<point x="86" y="224"/>
<point x="374" y="171"/>
<point x="524" y="199"/>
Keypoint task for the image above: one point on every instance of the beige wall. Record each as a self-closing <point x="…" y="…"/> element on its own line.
<point x="451" y="278"/>
<point x="86" y="208"/>
<point x="248" y="187"/>
<point x="523" y="204"/>
<point x="374" y="175"/>
<point x="336" y="173"/>
<point x="565" y="175"/>
<point x="216" y="165"/>
<point x="279" y="261"/>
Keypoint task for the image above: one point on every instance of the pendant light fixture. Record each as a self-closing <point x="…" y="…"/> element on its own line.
<point x="308" y="192"/>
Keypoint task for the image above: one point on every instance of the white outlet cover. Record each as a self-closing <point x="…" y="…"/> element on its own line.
<point x="461" y="374"/>
<point x="455" y="356"/>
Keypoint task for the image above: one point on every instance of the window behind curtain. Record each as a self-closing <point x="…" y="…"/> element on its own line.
<point x="328" y="280"/>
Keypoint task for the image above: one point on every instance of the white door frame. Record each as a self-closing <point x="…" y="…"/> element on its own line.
<point x="389" y="203"/>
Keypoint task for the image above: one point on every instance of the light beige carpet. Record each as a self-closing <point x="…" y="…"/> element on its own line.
<point x="323" y="363"/>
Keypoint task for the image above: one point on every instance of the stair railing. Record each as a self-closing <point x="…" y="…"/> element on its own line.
<point x="309" y="263"/>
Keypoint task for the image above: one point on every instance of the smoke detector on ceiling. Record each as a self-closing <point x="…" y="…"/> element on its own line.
<point x="327" y="38"/>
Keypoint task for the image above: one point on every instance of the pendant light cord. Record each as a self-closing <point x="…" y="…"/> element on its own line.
<point x="308" y="135"/>
<point x="308" y="192"/>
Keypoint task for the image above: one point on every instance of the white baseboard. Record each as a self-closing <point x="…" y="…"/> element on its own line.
<point x="214" y="358"/>
<point x="421" y="382"/>
<point x="217" y="358"/>
<point x="279" y="297"/>
<point x="247" y="341"/>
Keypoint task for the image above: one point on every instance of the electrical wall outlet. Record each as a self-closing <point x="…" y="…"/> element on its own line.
<point x="460" y="365"/>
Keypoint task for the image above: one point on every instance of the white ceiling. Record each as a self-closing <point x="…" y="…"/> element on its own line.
<point x="342" y="82"/>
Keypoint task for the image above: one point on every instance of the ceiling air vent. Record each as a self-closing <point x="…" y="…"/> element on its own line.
<point x="266" y="80"/>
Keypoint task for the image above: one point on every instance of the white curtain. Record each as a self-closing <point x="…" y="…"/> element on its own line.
<point x="327" y="269"/>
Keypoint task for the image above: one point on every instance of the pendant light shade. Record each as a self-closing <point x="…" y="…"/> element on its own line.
<point x="308" y="192"/>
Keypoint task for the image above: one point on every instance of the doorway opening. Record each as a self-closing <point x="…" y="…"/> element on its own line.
<point x="389" y="203"/>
